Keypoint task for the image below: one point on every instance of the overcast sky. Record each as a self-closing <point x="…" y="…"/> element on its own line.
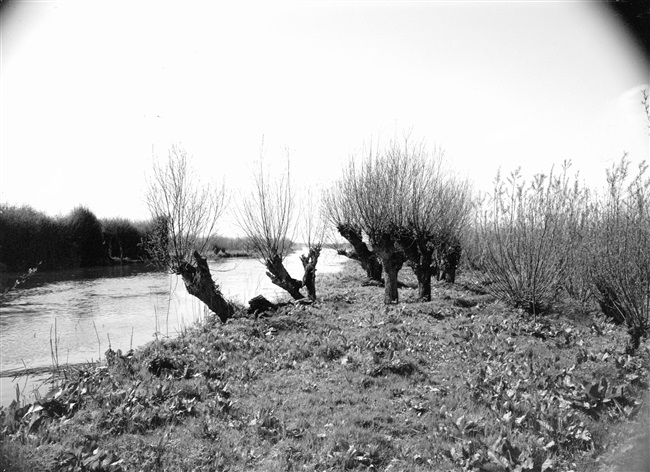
<point x="91" y="90"/>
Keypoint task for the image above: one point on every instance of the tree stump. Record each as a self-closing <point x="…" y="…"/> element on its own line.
<point x="260" y="304"/>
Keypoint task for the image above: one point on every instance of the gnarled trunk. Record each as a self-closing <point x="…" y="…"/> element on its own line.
<point x="391" y="269"/>
<point x="367" y="258"/>
<point x="280" y="277"/>
<point x="309" y="264"/>
<point x="446" y="258"/>
<point x="419" y="253"/>
<point x="424" y="275"/>
<point x="199" y="283"/>
<point x="392" y="258"/>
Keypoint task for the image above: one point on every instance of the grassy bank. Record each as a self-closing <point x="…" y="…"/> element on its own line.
<point x="459" y="383"/>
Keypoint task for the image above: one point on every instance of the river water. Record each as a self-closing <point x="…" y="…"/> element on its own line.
<point x="76" y="313"/>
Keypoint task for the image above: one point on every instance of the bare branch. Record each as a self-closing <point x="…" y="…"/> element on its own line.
<point x="186" y="212"/>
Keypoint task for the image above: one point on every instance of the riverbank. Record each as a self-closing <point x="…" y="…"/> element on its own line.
<point x="459" y="383"/>
<point x="236" y="253"/>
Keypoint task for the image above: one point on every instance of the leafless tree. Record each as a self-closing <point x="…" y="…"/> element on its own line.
<point x="186" y="212"/>
<point x="313" y="235"/>
<point x="437" y="211"/>
<point x="338" y="210"/>
<point x="455" y="203"/>
<point x="269" y="218"/>
<point x="376" y="191"/>
<point x="404" y="199"/>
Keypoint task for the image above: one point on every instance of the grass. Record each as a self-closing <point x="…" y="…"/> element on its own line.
<point x="459" y="383"/>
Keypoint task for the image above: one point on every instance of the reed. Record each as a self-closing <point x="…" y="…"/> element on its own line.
<point x="99" y="343"/>
<point x="54" y="347"/>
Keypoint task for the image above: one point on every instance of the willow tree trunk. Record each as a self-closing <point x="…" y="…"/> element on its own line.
<point x="391" y="269"/>
<point x="424" y="274"/>
<point x="419" y="255"/>
<point x="199" y="283"/>
<point x="448" y="269"/>
<point x="280" y="277"/>
<point x="309" y="264"/>
<point x="392" y="259"/>
<point x="424" y="270"/>
<point x="450" y="258"/>
<point x="367" y="258"/>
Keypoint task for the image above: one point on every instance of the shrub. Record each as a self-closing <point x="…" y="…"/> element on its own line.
<point x="83" y="232"/>
<point x="531" y="233"/>
<point x="619" y="250"/>
<point x="123" y="238"/>
<point x="28" y="238"/>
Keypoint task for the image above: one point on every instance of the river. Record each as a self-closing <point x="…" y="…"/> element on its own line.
<point x="76" y="313"/>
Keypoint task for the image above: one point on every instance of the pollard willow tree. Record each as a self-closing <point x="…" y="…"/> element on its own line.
<point x="268" y="216"/>
<point x="406" y="202"/>
<point x="374" y="193"/>
<point x="339" y="212"/>
<point x="186" y="212"/>
<point x="437" y="212"/>
<point x="313" y="234"/>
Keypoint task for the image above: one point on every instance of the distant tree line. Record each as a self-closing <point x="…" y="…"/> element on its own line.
<point x="30" y="238"/>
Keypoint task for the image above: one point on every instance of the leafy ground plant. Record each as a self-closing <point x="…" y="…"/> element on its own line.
<point x="458" y="383"/>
